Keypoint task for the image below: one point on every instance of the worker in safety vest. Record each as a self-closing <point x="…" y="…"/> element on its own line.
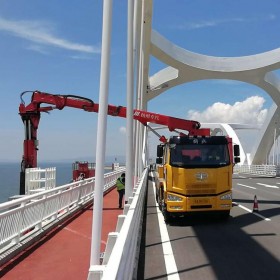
<point x="120" y="188"/>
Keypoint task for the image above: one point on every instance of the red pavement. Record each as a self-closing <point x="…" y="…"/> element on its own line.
<point x="65" y="252"/>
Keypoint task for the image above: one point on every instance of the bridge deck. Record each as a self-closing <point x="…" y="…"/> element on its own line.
<point x="65" y="252"/>
<point x="246" y="246"/>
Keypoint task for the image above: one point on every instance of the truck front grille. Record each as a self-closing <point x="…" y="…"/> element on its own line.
<point x="201" y="206"/>
<point x="200" y="189"/>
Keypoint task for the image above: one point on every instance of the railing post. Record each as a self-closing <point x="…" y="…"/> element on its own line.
<point x="20" y="222"/>
<point x="43" y="212"/>
<point x="120" y="222"/>
<point x="112" y="238"/>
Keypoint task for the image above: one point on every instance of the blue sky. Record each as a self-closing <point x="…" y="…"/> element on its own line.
<point x="54" y="46"/>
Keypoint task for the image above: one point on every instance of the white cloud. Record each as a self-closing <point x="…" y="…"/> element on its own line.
<point x="249" y="111"/>
<point x="216" y="22"/>
<point x="41" y="33"/>
<point x="82" y="56"/>
<point x="38" y="48"/>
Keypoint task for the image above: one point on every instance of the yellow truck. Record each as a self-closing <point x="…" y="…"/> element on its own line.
<point x="190" y="179"/>
<point x="195" y="175"/>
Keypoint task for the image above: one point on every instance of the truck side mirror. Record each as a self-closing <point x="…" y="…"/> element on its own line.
<point x="159" y="160"/>
<point x="159" y="151"/>
<point x="236" y="150"/>
<point x="236" y="159"/>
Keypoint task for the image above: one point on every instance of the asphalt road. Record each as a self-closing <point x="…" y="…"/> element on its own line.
<point x="246" y="246"/>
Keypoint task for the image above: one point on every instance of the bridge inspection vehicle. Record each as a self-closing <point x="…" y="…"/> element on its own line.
<point x="195" y="174"/>
<point x="189" y="178"/>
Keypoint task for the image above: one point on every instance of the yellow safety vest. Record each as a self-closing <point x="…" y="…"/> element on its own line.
<point x="120" y="184"/>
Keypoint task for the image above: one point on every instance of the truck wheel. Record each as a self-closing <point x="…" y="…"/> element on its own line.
<point x="163" y="207"/>
<point x="225" y="215"/>
<point x="160" y="200"/>
<point x="165" y="213"/>
<point x="156" y="196"/>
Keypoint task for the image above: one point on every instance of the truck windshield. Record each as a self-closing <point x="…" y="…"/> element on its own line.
<point x="189" y="155"/>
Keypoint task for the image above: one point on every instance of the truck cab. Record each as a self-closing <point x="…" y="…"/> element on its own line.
<point x="195" y="175"/>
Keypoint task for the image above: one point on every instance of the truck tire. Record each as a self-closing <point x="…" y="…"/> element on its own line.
<point x="157" y="196"/>
<point x="165" y="213"/>
<point x="160" y="199"/>
<point x="225" y="215"/>
<point x="163" y="207"/>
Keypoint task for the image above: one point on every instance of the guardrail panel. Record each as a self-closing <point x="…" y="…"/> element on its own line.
<point x="51" y="206"/>
<point x="266" y="170"/>
<point x="121" y="261"/>
<point x="42" y="209"/>
<point x="9" y="222"/>
<point x="65" y="199"/>
<point x="32" y="215"/>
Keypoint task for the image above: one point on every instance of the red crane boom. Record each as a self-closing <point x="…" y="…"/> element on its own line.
<point x="31" y="113"/>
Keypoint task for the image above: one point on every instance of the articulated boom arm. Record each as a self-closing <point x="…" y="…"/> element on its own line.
<point x="45" y="102"/>
<point x="61" y="101"/>
<point x="31" y="113"/>
<point x="33" y="110"/>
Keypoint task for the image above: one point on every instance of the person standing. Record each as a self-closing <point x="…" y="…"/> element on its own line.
<point x="121" y="188"/>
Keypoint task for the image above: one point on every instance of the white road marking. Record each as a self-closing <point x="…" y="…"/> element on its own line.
<point x="255" y="213"/>
<point x="268" y="186"/>
<point x="76" y="232"/>
<point x="247" y="186"/>
<point x="82" y="235"/>
<point x="170" y="264"/>
<point x="244" y="177"/>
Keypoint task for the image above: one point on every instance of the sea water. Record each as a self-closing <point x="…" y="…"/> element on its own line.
<point x="10" y="177"/>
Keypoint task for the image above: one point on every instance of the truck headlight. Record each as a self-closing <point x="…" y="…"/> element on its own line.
<point x="172" y="197"/>
<point x="227" y="196"/>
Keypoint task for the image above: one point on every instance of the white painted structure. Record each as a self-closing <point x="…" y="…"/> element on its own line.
<point x="267" y="135"/>
<point x="186" y="66"/>
<point x="183" y="67"/>
<point x="38" y="179"/>
<point x="24" y="220"/>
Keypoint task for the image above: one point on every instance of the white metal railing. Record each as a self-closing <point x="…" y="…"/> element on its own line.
<point x="122" y="249"/>
<point x="32" y="215"/>
<point x="37" y="179"/>
<point x="264" y="170"/>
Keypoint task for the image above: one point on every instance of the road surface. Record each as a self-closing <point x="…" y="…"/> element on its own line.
<point x="246" y="246"/>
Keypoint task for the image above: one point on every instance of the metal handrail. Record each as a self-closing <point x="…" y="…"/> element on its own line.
<point x="37" y="179"/>
<point x="264" y="170"/>
<point x="122" y="247"/>
<point x="24" y="218"/>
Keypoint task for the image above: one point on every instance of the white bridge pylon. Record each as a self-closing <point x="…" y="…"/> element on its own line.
<point x="185" y="66"/>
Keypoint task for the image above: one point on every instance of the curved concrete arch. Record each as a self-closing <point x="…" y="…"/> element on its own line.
<point x="211" y="63"/>
<point x="185" y="66"/>
<point x="265" y="141"/>
<point x="230" y="131"/>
